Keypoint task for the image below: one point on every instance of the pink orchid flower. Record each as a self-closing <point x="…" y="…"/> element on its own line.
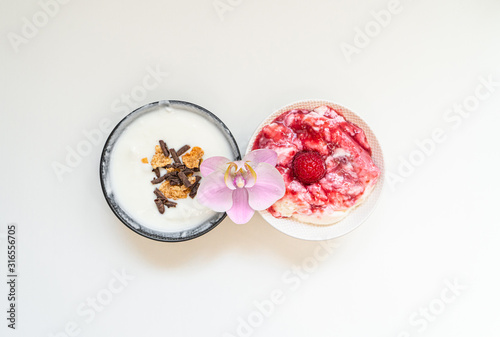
<point x="241" y="187"/>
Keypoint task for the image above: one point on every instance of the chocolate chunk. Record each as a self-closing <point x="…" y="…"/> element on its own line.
<point x="164" y="148"/>
<point x="159" y="179"/>
<point x="198" y="178"/>
<point x="160" y="206"/>
<point x="173" y="176"/>
<point x="184" y="179"/>
<point x="196" y="169"/>
<point x="175" y="182"/>
<point x="194" y="190"/>
<point x="175" y="157"/>
<point x="157" y="172"/>
<point x="160" y="195"/>
<point x="180" y="166"/>
<point x="163" y="200"/>
<point x="183" y="149"/>
<point x="187" y="171"/>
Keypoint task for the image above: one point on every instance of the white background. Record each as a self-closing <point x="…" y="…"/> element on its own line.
<point x="440" y="224"/>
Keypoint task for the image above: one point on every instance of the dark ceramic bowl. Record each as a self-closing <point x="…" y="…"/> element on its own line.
<point x="108" y="192"/>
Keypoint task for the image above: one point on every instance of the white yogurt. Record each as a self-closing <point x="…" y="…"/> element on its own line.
<point x="130" y="179"/>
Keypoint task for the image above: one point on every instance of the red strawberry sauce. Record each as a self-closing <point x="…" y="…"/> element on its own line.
<point x="309" y="139"/>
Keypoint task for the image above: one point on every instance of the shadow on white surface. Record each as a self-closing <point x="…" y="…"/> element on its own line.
<point x="257" y="236"/>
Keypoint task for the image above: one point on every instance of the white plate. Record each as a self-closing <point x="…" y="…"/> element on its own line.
<point x="358" y="215"/>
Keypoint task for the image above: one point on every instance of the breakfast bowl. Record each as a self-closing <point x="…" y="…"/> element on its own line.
<point x="332" y="165"/>
<point x="149" y="169"/>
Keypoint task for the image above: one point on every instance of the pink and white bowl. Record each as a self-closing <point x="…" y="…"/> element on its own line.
<point x="357" y="215"/>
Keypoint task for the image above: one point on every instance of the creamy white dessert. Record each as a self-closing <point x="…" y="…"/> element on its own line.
<point x="130" y="178"/>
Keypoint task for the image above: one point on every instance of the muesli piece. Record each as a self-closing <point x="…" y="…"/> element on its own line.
<point x="193" y="158"/>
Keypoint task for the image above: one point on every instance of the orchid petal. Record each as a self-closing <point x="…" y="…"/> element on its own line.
<point x="268" y="188"/>
<point x="241" y="212"/>
<point x="261" y="156"/>
<point x="213" y="164"/>
<point x="214" y="193"/>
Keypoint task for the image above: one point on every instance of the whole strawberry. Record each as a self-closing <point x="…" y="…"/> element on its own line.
<point x="308" y="167"/>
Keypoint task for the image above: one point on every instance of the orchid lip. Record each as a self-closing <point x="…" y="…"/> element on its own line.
<point x="239" y="181"/>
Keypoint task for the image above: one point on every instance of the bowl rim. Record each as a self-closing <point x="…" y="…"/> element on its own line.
<point x="106" y="148"/>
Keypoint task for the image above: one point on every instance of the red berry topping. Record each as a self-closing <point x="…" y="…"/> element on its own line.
<point x="308" y="167"/>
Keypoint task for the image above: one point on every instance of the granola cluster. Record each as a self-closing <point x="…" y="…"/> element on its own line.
<point x="193" y="159"/>
<point x="176" y="176"/>
<point x="159" y="159"/>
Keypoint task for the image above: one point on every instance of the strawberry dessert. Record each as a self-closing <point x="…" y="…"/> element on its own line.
<point x="325" y="161"/>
